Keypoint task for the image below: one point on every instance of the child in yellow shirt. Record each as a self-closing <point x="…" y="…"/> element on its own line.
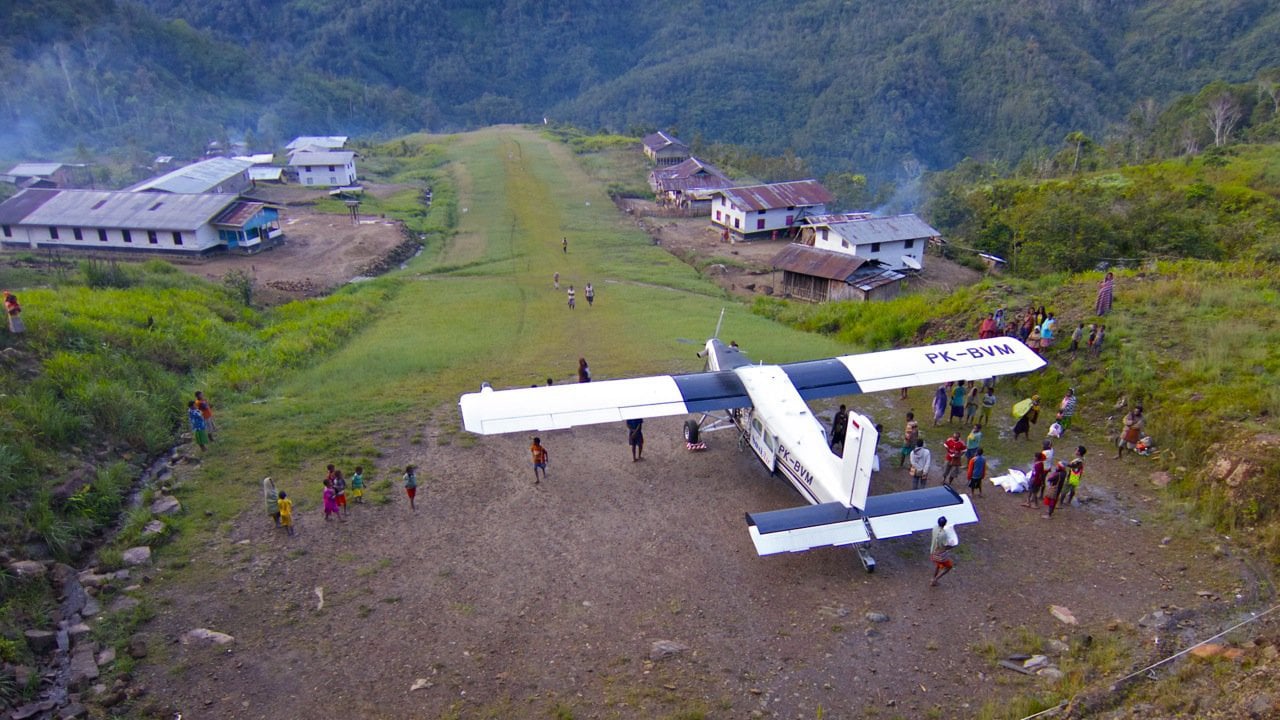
<point x="286" y="511"/>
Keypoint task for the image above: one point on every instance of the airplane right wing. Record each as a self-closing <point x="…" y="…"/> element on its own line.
<point x="907" y="367"/>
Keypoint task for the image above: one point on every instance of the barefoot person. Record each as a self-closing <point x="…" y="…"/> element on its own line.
<point x="539" y="459"/>
<point x="635" y="438"/>
<point x="939" y="552"/>
<point x="411" y="485"/>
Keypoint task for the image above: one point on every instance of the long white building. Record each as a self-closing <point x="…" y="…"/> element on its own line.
<point x="188" y="224"/>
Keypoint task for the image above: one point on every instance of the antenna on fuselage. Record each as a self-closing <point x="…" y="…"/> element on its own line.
<point x="718" y="322"/>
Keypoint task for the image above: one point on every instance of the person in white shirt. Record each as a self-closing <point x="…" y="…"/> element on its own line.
<point x="921" y="461"/>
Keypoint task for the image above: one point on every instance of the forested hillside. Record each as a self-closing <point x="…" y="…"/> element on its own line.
<point x="879" y="88"/>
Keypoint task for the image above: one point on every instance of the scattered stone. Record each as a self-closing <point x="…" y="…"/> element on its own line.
<point x="31" y="710"/>
<point x="155" y="527"/>
<point x="877" y="617"/>
<point x="1206" y="651"/>
<point x="137" y="647"/>
<point x="83" y="668"/>
<point x="1204" y="593"/>
<point x="206" y="635"/>
<point x="1165" y="540"/>
<point x="124" y="603"/>
<point x="21" y="675"/>
<point x="106" y="657"/>
<point x="663" y="649"/>
<point x="135" y="556"/>
<point x="73" y="711"/>
<point x="111" y="699"/>
<point x="872" y="633"/>
<point x="1062" y="614"/>
<point x="1160" y="479"/>
<point x="166" y="505"/>
<point x="419" y="684"/>
<point x="1050" y="672"/>
<point x="41" y="641"/>
<point x="27" y="568"/>
<point x="94" y="580"/>
<point x="78" y="631"/>
<point x="1263" y="706"/>
<point x="91" y="607"/>
<point x="1058" y="647"/>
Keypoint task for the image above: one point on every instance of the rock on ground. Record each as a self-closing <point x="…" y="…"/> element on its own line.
<point x="167" y="505"/>
<point x="663" y="649"/>
<point x="140" y="555"/>
<point x="204" y="635"/>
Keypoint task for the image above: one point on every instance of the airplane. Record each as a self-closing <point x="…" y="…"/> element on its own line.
<point x="768" y="405"/>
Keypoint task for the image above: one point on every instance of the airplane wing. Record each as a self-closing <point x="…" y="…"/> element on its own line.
<point x="563" y="406"/>
<point x="908" y="367"/>
<point x="557" y="407"/>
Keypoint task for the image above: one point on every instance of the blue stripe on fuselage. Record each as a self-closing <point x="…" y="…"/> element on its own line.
<point x="704" y="392"/>
<point x="821" y="379"/>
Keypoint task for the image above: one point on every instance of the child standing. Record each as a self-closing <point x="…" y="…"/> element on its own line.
<point x="206" y="412"/>
<point x="988" y="402"/>
<point x="285" y="507"/>
<point x="977" y="471"/>
<point x="340" y="491"/>
<point x="1076" y="336"/>
<point x="330" y="502"/>
<point x="411" y="485"/>
<point x="197" y="425"/>
<point x="1035" y="486"/>
<point x="1075" y="469"/>
<point x="272" y="498"/>
<point x="539" y="459"/>
<point x="357" y="485"/>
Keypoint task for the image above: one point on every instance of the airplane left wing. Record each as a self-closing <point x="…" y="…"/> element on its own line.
<point x="556" y="407"/>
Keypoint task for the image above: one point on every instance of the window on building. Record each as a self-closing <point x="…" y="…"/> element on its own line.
<point x="790" y="219"/>
<point x="53" y="233"/>
<point x="332" y="168"/>
<point x="156" y="206"/>
<point x="8" y="231"/>
<point x="177" y="238"/>
<point x="909" y="244"/>
<point x="128" y="236"/>
<point x="102" y="235"/>
<point x="844" y="243"/>
<point x="6" y="227"/>
<point x="152" y="238"/>
<point x="77" y="234"/>
<point x="760" y="224"/>
<point x="310" y="181"/>
<point x="824" y="236"/>
<point x="761" y="212"/>
<point x="736" y="226"/>
<point x="875" y="247"/>
<point x="333" y="180"/>
<point x="98" y="205"/>
<point x="791" y="209"/>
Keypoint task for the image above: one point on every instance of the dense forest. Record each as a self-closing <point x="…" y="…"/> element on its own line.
<point x="885" y="90"/>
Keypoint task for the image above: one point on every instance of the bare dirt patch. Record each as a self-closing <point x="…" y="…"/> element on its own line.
<point x="744" y="269"/>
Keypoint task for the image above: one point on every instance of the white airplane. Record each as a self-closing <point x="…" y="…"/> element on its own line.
<point x="767" y="405"/>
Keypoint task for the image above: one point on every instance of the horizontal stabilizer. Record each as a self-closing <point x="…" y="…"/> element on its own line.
<point x="807" y="527"/>
<point x="903" y="513"/>
<point x="828" y="524"/>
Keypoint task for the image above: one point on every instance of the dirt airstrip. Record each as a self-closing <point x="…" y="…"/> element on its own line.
<point x="500" y="598"/>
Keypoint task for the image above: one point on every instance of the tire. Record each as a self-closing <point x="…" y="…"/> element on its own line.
<point x="691" y="431"/>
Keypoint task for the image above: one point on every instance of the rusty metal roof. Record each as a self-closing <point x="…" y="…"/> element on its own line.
<point x="689" y="168"/>
<point x="882" y="229"/>
<point x="661" y="141"/>
<point x="14" y="210"/>
<point x="238" y="214"/>
<point x="827" y="264"/>
<point x="112" y="209"/>
<point x="798" y="193"/>
<point x="868" y="279"/>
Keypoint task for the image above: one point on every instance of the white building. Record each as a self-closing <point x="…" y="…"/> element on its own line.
<point x="755" y="212"/>
<point x="95" y="220"/>
<point x="333" y="168"/>
<point x="896" y="242"/>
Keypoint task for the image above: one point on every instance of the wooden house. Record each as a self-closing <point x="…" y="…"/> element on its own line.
<point x="327" y="168"/>
<point x="689" y="184"/>
<point x="664" y="150"/>
<point x="814" y="275"/>
<point x="755" y="212"/>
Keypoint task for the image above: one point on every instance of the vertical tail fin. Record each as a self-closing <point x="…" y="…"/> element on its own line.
<point x="859" y="457"/>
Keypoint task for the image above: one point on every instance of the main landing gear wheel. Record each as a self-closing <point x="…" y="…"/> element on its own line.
<point x="691" y="431"/>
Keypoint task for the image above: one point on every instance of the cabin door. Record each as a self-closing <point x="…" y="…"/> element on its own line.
<point x="764" y="444"/>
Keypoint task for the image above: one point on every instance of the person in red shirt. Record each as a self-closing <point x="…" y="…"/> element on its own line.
<point x="955" y="448"/>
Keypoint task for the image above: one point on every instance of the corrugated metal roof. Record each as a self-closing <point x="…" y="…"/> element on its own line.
<point x="697" y="182"/>
<point x="798" y="193"/>
<point x="805" y="260"/>
<point x="883" y="229"/>
<point x="238" y="214"/>
<point x="831" y="218"/>
<point x="321" y="158"/>
<point x="14" y="210"/>
<point x="870" y="279"/>
<point x="196" y="178"/>
<point x="332" y="142"/>
<point x="688" y="168"/>
<point x="660" y="141"/>
<point x="258" y="158"/>
<point x="115" y="209"/>
<point x="265" y="173"/>
<point x="34" y="169"/>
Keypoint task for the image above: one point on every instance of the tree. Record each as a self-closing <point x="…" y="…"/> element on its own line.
<point x="1222" y="114"/>
<point x="1078" y="139"/>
